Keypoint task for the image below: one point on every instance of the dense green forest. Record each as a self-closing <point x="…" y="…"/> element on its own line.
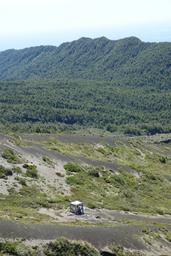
<point x="122" y="85"/>
<point x="127" y="61"/>
<point x="49" y="106"/>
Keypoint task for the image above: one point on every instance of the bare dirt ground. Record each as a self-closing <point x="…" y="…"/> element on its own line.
<point x="74" y="138"/>
<point x="105" y="216"/>
<point x="33" y="154"/>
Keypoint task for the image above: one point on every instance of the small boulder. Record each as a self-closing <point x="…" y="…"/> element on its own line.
<point x="106" y="252"/>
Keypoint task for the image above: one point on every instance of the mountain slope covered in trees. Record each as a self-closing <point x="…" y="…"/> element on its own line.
<point x="127" y="61"/>
<point x="122" y="85"/>
<point x="47" y="106"/>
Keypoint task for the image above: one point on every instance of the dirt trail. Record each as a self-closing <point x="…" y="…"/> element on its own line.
<point x="75" y="138"/>
<point x="98" y="236"/>
<point x="39" y="151"/>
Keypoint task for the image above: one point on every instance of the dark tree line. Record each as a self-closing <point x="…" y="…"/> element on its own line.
<point x="79" y="103"/>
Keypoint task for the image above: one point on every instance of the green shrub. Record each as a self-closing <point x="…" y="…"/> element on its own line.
<point x="21" y="181"/>
<point x="72" y="167"/>
<point x="91" y="205"/>
<point x="15" y="248"/>
<point x="4" y="172"/>
<point x="60" y="247"/>
<point x="29" y="166"/>
<point x="163" y="159"/>
<point x="75" y="180"/>
<point x="94" y="172"/>
<point x="63" y="247"/>
<point x="31" y="170"/>
<point x="32" y="173"/>
<point x="17" y="170"/>
<point x="8" y="247"/>
<point x="47" y="160"/>
<point x="120" y="251"/>
<point x="168" y="236"/>
<point x="118" y="180"/>
<point x="132" y="131"/>
<point x="10" y="156"/>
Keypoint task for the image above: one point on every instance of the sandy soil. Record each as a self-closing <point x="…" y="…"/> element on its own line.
<point x="33" y="154"/>
<point x="103" y="215"/>
<point x="38" y="151"/>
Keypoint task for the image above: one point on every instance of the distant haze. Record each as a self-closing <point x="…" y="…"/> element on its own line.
<point x="25" y="23"/>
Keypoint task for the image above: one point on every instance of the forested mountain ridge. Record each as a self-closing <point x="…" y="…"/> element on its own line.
<point x="128" y="61"/>
<point x="122" y="85"/>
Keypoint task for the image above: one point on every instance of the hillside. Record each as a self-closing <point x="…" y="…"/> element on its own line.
<point x="118" y="86"/>
<point x="124" y="183"/>
<point x="127" y="61"/>
<point x="50" y="106"/>
<point x="68" y="116"/>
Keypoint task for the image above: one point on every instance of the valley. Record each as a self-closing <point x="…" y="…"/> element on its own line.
<point x="89" y="121"/>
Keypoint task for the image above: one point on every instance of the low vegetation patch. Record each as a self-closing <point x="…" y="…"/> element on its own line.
<point x="10" y="156"/>
<point x="21" y="181"/>
<point x="4" y="172"/>
<point x="146" y="190"/>
<point x="60" y="247"/>
<point x="168" y="236"/>
<point x="16" y="249"/>
<point x="47" y="160"/>
<point x="63" y="247"/>
<point x="31" y="170"/>
<point x="32" y="173"/>
<point x="72" y="167"/>
<point x="123" y="191"/>
<point x="24" y="204"/>
<point x="17" y="170"/>
<point x="120" y="251"/>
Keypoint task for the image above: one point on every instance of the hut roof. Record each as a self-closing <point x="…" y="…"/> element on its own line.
<point x="76" y="203"/>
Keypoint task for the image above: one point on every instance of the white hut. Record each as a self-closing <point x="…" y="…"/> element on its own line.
<point x="77" y="207"/>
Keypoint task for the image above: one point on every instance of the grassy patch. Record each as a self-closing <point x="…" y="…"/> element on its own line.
<point x="72" y="167"/>
<point x="120" y="251"/>
<point x="59" y="247"/>
<point x="168" y="236"/>
<point x="47" y="160"/>
<point x="21" y="181"/>
<point x="5" y="172"/>
<point x="17" y="170"/>
<point x="24" y="204"/>
<point x="63" y="247"/>
<point x="11" y="156"/>
<point x="104" y="189"/>
<point x="31" y="171"/>
<point x="148" y="192"/>
<point x="15" y="248"/>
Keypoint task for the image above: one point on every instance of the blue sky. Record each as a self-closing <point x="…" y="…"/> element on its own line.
<point x="25" y="23"/>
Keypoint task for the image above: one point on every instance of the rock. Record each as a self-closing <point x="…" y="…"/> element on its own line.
<point x="107" y="252"/>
